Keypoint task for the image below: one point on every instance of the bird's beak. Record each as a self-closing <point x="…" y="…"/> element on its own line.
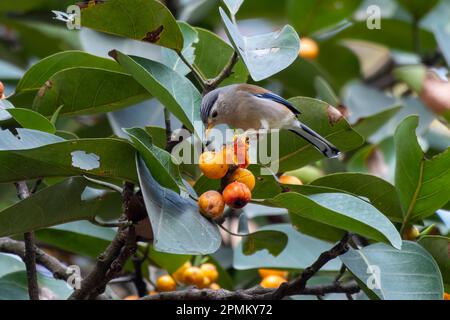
<point x="208" y="129"/>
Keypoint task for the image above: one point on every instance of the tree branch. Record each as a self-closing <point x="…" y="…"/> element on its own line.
<point x="30" y="253"/>
<point x="52" y="264"/>
<point x="294" y="287"/>
<point x="212" y="84"/>
<point x="110" y="263"/>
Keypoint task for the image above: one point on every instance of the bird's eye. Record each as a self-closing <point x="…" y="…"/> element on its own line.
<point x="214" y="114"/>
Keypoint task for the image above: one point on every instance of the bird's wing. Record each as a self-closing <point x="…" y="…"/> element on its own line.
<point x="278" y="99"/>
<point x="266" y="94"/>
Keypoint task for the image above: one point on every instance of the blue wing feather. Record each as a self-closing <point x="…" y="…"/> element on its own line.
<point x="278" y="99"/>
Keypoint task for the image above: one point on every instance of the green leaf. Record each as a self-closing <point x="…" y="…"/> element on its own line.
<point x="32" y="120"/>
<point x="13" y="286"/>
<point x="342" y="211"/>
<point x="442" y="34"/>
<point x="325" y="92"/>
<point x="273" y="241"/>
<point x="438" y="247"/>
<point x="316" y="229"/>
<point x="418" y="8"/>
<point x="407" y="274"/>
<point x="75" y="201"/>
<point x="422" y="184"/>
<point x="379" y="192"/>
<point x="173" y="60"/>
<point x="392" y="35"/>
<point x="88" y="91"/>
<point x="35" y="154"/>
<point x="178" y="227"/>
<point x="300" y="252"/>
<point x="146" y="20"/>
<point x="4" y="105"/>
<point x="308" y="16"/>
<point x="367" y="126"/>
<point x="176" y="92"/>
<point x="233" y="5"/>
<point x="162" y="165"/>
<point x="41" y="71"/>
<point x="87" y="239"/>
<point x="266" y="54"/>
<point x="412" y="75"/>
<point x="377" y="159"/>
<point x="81" y="237"/>
<point x="295" y="152"/>
<point x="9" y="264"/>
<point x="211" y="45"/>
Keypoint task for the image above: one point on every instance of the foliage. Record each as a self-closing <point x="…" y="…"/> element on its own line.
<point x="89" y="136"/>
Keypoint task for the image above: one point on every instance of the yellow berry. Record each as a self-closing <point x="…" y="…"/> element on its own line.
<point x="272" y="272"/>
<point x="166" y="283"/>
<point x="210" y="271"/>
<point x="193" y="276"/>
<point x="272" y="282"/>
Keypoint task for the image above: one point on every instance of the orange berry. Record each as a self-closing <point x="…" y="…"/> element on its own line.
<point x="244" y="176"/>
<point x="2" y="90"/>
<point x="214" y="286"/>
<point x="211" y="204"/>
<point x="264" y="273"/>
<point x="166" y="283"/>
<point x="178" y="275"/>
<point x="213" y="165"/>
<point x="237" y="195"/>
<point x="241" y="146"/>
<point x="309" y="49"/>
<point x="206" y="283"/>
<point x="285" y="179"/>
<point x="210" y="271"/>
<point x="132" y="297"/>
<point x="272" y="282"/>
<point x="446" y="296"/>
<point x="193" y="276"/>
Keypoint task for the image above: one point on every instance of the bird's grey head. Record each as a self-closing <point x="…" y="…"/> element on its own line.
<point x="209" y="102"/>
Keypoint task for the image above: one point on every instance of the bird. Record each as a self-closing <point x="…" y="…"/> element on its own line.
<point x="245" y="106"/>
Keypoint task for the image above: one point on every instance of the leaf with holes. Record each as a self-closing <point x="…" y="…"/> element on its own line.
<point x="36" y="154"/>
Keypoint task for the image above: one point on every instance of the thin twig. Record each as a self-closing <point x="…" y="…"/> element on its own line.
<point x="52" y="264"/>
<point x="110" y="263"/>
<point x="30" y="253"/>
<point x="294" y="287"/>
<point x="212" y="84"/>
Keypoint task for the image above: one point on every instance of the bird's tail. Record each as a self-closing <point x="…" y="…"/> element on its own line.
<point x="319" y="142"/>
